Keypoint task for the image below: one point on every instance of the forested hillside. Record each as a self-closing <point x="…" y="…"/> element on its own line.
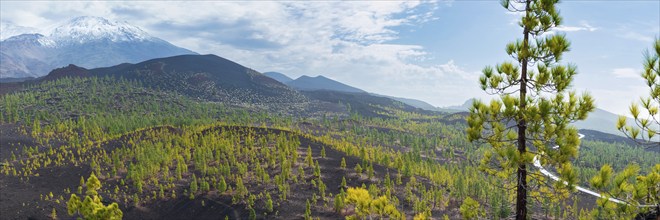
<point x="154" y="150"/>
<point x="192" y="136"/>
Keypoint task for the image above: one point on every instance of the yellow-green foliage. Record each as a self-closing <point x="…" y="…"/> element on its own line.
<point x="646" y="119"/>
<point x="92" y="207"/>
<point x="233" y="160"/>
<point x="365" y="205"/>
<point x="635" y="190"/>
<point x="534" y="108"/>
<point x="470" y="209"/>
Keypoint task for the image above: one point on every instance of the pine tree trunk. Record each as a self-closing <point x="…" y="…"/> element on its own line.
<point x="521" y="192"/>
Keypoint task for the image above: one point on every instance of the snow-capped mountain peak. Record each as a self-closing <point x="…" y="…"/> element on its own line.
<point x="88" y="42"/>
<point x="35" y="39"/>
<point x="88" y="28"/>
<point x="8" y="30"/>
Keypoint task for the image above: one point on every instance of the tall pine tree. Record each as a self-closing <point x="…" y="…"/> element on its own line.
<point x="534" y="109"/>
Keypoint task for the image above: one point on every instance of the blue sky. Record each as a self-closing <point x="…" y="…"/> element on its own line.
<point x="432" y="51"/>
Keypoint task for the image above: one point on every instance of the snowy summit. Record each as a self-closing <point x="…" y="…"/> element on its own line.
<point x="88" y="28"/>
<point x="86" y="41"/>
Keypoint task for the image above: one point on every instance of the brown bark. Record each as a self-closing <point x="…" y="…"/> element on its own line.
<point x="521" y="192"/>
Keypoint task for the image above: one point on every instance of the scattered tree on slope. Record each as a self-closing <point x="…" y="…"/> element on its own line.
<point x="92" y="207"/>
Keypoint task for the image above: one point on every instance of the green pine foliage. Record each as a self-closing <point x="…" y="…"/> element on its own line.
<point x="534" y="109"/>
<point x="470" y="209"/>
<point x="639" y="192"/>
<point x="91" y="206"/>
<point x="646" y="116"/>
<point x="172" y="145"/>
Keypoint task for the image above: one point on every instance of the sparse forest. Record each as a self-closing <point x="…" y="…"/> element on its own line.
<point x="178" y="152"/>
<point x="116" y="147"/>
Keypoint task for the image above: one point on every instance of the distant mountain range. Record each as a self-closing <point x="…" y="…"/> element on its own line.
<point x="603" y="121"/>
<point x="88" y="42"/>
<point x="213" y="78"/>
<point x="320" y="83"/>
<point x="598" y="120"/>
<point x="92" y="42"/>
<point x="206" y="77"/>
<point x="8" y="30"/>
<point x="308" y="83"/>
<point x="279" y="77"/>
<point x="458" y="108"/>
<point x="412" y="102"/>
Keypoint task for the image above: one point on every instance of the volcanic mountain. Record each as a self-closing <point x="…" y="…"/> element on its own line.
<point x="88" y="42"/>
<point x="206" y="77"/>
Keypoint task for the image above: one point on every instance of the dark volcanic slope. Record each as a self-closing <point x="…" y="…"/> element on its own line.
<point x="363" y="103"/>
<point x="207" y="77"/>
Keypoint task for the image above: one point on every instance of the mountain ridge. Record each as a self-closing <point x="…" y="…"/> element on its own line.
<point x="279" y="77"/>
<point x="86" y="41"/>
<point x="8" y="30"/>
<point x="599" y="120"/>
<point x="322" y="83"/>
<point x="208" y="77"/>
<point x="309" y="83"/>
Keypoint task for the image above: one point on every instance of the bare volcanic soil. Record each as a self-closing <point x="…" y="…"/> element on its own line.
<point x="331" y="174"/>
<point x="23" y="197"/>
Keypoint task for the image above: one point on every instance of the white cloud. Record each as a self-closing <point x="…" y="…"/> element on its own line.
<point x="347" y="41"/>
<point x="626" y="73"/>
<point x="584" y="26"/>
<point x="637" y="36"/>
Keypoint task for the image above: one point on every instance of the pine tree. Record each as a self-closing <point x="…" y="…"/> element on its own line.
<point x="647" y="126"/>
<point x="317" y="169"/>
<point x="269" y="203"/>
<point x="193" y="185"/>
<point x="222" y="185"/>
<point x="322" y="188"/>
<point x="628" y="185"/>
<point x="541" y="114"/>
<point x="53" y="214"/>
<point x="370" y="171"/>
<point x="161" y="193"/>
<point x="361" y="199"/>
<point x="308" y="158"/>
<point x="308" y="211"/>
<point x="36" y="128"/>
<point x="343" y="163"/>
<point x="339" y="203"/>
<point x="469" y="209"/>
<point x="92" y="207"/>
<point x="301" y="173"/>
<point x="241" y="190"/>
